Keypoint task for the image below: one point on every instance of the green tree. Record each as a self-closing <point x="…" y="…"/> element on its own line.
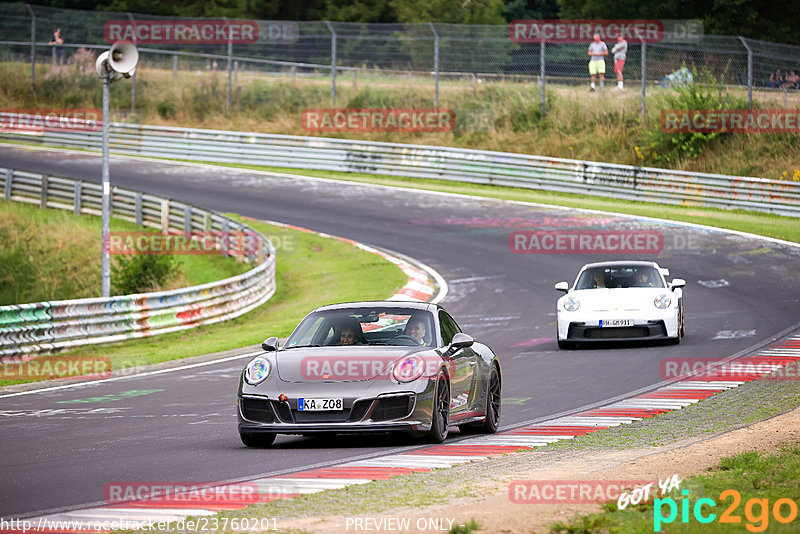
<point x="530" y="9"/>
<point x="452" y="11"/>
<point x="759" y="19"/>
<point x="359" y="11"/>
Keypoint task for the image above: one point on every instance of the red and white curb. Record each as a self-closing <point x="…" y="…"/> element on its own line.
<point x="665" y="399"/>
<point x="422" y="280"/>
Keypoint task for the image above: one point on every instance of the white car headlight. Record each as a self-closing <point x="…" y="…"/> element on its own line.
<point x="571" y="304"/>
<point x="257" y="371"/>
<point x="662" y="302"/>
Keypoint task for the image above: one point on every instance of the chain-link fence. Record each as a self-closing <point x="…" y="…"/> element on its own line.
<point x="437" y="65"/>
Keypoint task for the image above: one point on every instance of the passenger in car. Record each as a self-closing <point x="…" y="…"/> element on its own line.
<point x="352" y="335"/>
<point x="599" y="280"/>
<point x="642" y="280"/>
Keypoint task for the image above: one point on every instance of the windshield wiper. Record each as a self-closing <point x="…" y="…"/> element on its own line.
<point x="302" y="346"/>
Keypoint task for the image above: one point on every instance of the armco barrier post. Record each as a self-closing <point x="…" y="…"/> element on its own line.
<point x="137" y="208"/>
<point x="7" y="188"/>
<point x="76" y="197"/>
<point x="187" y="221"/>
<point x="165" y="215"/>
<point x="43" y="198"/>
<point x="333" y="63"/>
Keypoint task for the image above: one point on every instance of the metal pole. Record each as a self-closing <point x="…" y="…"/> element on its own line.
<point x="749" y="72"/>
<point x="333" y="63"/>
<point x="133" y="78"/>
<point x="33" y="45"/>
<point x="230" y="63"/>
<point x="541" y="74"/>
<point x="435" y="64"/>
<point x="106" y="273"/>
<point x="644" y="77"/>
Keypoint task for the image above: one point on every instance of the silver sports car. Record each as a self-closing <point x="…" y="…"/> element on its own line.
<point x="370" y="367"/>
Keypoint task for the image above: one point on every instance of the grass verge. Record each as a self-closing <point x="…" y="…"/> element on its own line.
<point x="754" y="484"/>
<point x="311" y="271"/>
<point x="52" y="254"/>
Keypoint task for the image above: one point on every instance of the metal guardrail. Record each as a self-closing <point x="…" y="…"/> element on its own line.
<point x="462" y="165"/>
<point x="26" y="329"/>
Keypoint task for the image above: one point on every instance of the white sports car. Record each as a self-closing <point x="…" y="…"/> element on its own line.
<point x="620" y="300"/>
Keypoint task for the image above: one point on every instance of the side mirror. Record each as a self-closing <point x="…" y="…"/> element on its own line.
<point x="677" y="282"/>
<point x="270" y="344"/>
<point x="563" y="286"/>
<point x="461" y="341"/>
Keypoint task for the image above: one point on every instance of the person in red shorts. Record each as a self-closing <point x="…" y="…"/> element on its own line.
<point x="620" y="52"/>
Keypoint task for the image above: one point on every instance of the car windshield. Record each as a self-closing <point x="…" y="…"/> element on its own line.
<point x="364" y="326"/>
<point x="625" y="276"/>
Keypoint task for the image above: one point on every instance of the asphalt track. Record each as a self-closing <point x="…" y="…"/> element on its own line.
<point x="58" y="451"/>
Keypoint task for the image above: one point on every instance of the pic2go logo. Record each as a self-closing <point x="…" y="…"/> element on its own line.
<point x="756" y="511"/>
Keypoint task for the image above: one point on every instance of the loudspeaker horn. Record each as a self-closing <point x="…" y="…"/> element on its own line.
<point x="122" y="58"/>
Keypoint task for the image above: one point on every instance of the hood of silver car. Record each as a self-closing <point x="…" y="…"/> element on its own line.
<point x="342" y="364"/>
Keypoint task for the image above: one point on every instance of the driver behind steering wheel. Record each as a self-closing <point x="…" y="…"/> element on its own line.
<point x="416" y="328"/>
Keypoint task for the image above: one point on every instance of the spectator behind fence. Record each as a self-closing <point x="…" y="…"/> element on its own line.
<point x="597" y="63"/>
<point x="620" y="51"/>
<point x="792" y="81"/>
<point x="775" y="79"/>
<point x="56" y="43"/>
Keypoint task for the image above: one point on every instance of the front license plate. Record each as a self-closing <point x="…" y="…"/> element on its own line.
<point x="610" y="323"/>
<point x="319" y="405"/>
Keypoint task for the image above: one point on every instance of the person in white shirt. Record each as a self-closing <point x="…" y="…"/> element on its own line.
<point x="620" y="51"/>
<point x="597" y="63"/>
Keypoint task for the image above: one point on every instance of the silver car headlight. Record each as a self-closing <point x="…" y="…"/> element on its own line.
<point x="662" y="302"/>
<point x="257" y="371"/>
<point x="571" y="304"/>
<point x="408" y="369"/>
